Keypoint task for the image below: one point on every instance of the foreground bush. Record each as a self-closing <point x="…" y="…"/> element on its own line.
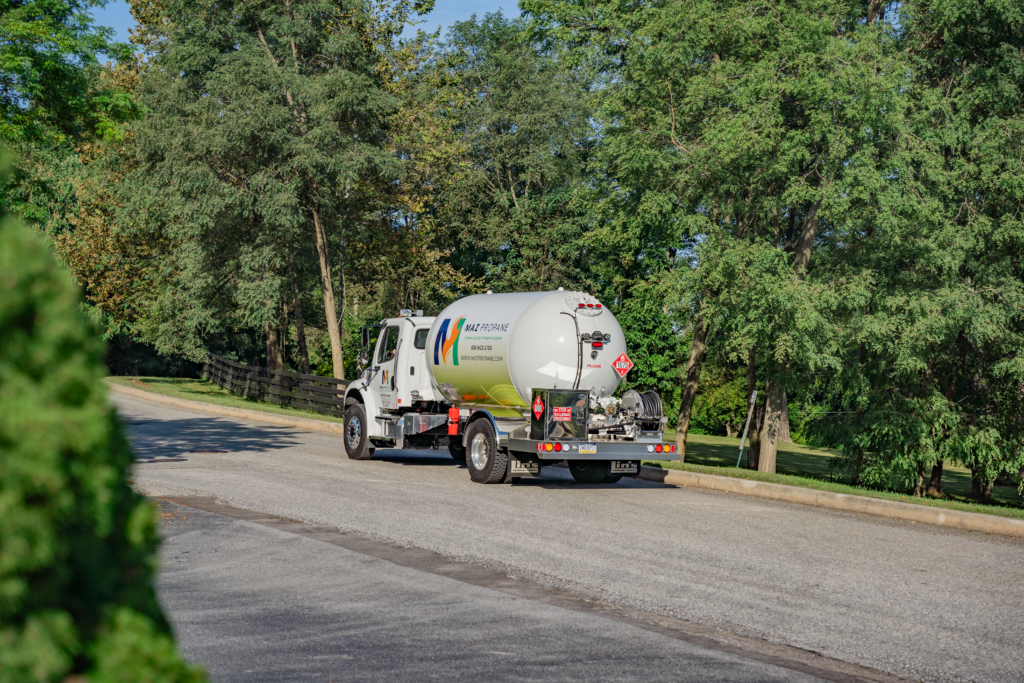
<point x="77" y="545"/>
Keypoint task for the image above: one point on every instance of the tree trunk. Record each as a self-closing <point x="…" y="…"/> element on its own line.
<point x="981" y="489"/>
<point x="935" y="482"/>
<point x="330" y="310"/>
<point x="857" y="464"/>
<point x="754" y="452"/>
<point x="776" y="393"/>
<point x="919" y="486"/>
<point x="755" y="425"/>
<point x="300" y="327"/>
<point x="693" y="366"/>
<point x="728" y="429"/>
<point x="300" y="333"/>
<point x="274" y="360"/>
<point x="770" y="435"/>
<point x="784" y="435"/>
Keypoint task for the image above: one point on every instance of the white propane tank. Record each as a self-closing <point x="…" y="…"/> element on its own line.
<point x="491" y="350"/>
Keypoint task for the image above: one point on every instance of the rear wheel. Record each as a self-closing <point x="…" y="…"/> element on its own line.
<point x="357" y="443"/>
<point x="592" y="472"/>
<point x="486" y="463"/>
<point x="456" y="449"/>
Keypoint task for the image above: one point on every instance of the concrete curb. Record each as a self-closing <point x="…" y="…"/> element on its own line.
<point x="971" y="521"/>
<point x="224" y="411"/>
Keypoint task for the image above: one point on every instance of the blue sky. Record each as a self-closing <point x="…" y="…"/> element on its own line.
<point x="117" y="16"/>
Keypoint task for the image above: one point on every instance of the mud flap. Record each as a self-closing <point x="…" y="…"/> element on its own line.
<point x="517" y="469"/>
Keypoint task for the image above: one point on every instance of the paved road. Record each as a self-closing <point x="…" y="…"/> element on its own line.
<point x="911" y="600"/>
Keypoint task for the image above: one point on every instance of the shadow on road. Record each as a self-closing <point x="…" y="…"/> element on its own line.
<point x="155" y="440"/>
<point x="552" y="476"/>
<point x="419" y="458"/>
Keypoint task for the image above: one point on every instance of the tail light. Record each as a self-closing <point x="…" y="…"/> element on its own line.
<point x="558" y="446"/>
<point x="598" y="345"/>
<point x="658" y="448"/>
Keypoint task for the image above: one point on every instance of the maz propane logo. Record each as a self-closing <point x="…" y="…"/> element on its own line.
<point x="445" y="344"/>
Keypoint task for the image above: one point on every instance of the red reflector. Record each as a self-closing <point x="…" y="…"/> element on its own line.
<point x="598" y="345"/>
<point x="540" y="447"/>
<point x="558" y="446"/>
<point x="597" y="305"/>
<point x="590" y="305"/>
<point x="582" y="305"/>
<point x="658" y="448"/>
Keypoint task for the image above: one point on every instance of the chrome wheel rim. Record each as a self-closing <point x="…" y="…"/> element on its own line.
<point x="478" y="451"/>
<point x="354" y="433"/>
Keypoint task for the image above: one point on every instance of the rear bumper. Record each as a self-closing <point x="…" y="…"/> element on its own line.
<point x="603" y="450"/>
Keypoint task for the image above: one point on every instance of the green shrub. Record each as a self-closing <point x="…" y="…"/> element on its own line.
<point x="77" y="545"/>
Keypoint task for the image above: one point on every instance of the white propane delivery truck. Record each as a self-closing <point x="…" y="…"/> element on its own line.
<point x="508" y="383"/>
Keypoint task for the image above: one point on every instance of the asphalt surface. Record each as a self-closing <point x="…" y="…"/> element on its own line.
<point x="772" y="584"/>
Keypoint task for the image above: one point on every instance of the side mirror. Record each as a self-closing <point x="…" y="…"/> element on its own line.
<point x="366" y="337"/>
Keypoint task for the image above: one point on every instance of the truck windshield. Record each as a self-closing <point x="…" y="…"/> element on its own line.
<point x="388" y="345"/>
<point x="421" y="339"/>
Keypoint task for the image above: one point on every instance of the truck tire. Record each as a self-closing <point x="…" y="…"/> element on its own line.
<point x="456" y="449"/>
<point x="592" y="472"/>
<point x="486" y="463"/>
<point x="357" y="443"/>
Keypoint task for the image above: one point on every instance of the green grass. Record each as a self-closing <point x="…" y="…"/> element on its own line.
<point x="817" y="468"/>
<point x="208" y="392"/>
<point x="806" y="466"/>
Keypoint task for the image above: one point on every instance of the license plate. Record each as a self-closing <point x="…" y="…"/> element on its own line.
<point x="624" y="466"/>
<point x="588" y="448"/>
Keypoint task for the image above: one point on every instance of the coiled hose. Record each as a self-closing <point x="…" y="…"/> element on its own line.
<point x="652" y="409"/>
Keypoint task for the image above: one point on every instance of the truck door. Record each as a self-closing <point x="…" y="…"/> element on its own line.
<point x="383" y="382"/>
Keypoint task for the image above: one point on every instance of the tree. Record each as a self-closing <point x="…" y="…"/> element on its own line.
<point x="936" y="375"/>
<point x="54" y="98"/>
<point x="264" y="121"/>
<point x="77" y="545"/>
<point x="757" y="130"/>
<point x="516" y="217"/>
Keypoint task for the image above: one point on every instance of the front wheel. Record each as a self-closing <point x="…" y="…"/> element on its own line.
<point x="357" y="442"/>
<point x="484" y="460"/>
<point x="592" y="472"/>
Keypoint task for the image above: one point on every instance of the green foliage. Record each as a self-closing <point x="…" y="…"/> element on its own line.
<point x="721" y="400"/>
<point x="264" y="120"/>
<point x="77" y="545"/>
<point x="49" y="73"/>
<point x="655" y="346"/>
<point x="515" y="219"/>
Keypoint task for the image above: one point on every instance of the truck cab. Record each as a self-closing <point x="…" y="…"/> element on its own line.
<point x="395" y="380"/>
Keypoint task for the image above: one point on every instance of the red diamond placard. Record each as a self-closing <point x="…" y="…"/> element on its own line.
<point x="622" y="364"/>
<point x="538" y="407"/>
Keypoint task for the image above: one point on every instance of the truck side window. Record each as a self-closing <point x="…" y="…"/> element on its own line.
<point x="388" y="345"/>
<point x="421" y="339"/>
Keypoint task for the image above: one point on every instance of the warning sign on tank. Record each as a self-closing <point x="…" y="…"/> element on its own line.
<point x="622" y="364"/>
<point x="562" y="414"/>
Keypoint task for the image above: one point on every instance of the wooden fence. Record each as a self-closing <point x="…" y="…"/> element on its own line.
<point x="310" y="392"/>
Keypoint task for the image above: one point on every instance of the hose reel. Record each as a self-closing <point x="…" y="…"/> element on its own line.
<point x="645" y="407"/>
